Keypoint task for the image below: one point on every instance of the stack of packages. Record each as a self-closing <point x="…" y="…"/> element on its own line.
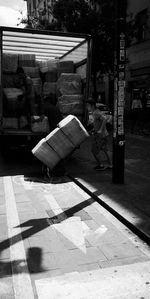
<point x="70" y="98"/>
<point x="65" y="67"/>
<point x="10" y="64"/>
<point x="28" y="63"/>
<point x="68" y="135"/>
<point x="49" y="70"/>
<point x="69" y="86"/>
<point x="32" y="71"/>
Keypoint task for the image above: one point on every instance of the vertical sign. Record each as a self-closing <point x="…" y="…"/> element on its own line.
<point x="1" y="99"/>
<point x="119" y="92"/>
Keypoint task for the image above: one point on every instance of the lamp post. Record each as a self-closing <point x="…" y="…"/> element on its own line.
<point x="119" y="92"/>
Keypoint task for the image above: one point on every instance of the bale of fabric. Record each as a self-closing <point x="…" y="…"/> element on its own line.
<point x="51" y="99"/>
<point x="48" y="65"/>
<point x="69" y="84"/>
<point x="65" y="67"/>
<point x="73" y="129"/>
<point x="38" y="125"/>
<point x="26" y="60"/>
<point x="10" y="62"/>
<point x="68" y="135"/>
<point x="49" y="88"/>
<point x="43" y="66"/>
<point x="12" y="92"/>
<point x="37" y="85"/>
<point x="71" y="104"/>
<point x="10" y="123"/>
<point x="32" y="72"/>
<point x="52" y="64"/>
<point x="46" y="154"/>
<point x="11" y="96"/>
<point x="60" y="143"/>
<point x="23" y="122"/>
<point x="8" y="80"/>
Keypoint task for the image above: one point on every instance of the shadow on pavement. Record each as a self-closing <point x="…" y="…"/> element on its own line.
<point x="33" y="264"/>
<point x="130" y="199"/>
<point x="34" y="254"/>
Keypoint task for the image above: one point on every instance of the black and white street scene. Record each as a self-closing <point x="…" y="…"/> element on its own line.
<point x="74" y="149"/>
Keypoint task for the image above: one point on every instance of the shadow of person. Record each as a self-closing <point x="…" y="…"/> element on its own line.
<point x="33" y="264"/>
<point x="34" y="260"/>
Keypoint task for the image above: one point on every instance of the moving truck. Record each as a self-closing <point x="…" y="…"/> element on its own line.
<point x="58" y="65"/>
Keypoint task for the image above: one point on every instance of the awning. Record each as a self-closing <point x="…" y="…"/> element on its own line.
<point x="44" y="44"/>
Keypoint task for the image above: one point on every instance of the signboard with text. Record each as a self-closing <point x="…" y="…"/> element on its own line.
<point x="119" y="94"/>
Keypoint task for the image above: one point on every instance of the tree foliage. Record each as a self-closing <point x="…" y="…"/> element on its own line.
<point x="79" y="17"/>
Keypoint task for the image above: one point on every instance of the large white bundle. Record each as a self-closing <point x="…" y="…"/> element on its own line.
<point x="52" y="64"/>
<point x="65" y="67"/>
<point x="23" y="122"/>
<point x="73" y="129"/>
<point x="69" y="84"/>
<point x="32" y="72"/>
<point x="26" y="60"/>
<point x="10" y="62"/>
<point x="37" y="84"/>
<point x="10" y="123"/>
<point x="60" y="143"/>
<point x="49" y="88"/>
<point x="46" y="154"/>
<point x="43" y="66"/>
<point x="12" y="103"/>
<point x="71" y="104"/>
<point x="9" y="80"/>
<point x="12" y="93"/>
<point x="38" y="125"/>
<point x="48" y="65"/>
<point x="69" y="77"/>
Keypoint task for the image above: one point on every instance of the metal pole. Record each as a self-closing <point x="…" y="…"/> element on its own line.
<point x="119" y="92"/>
<point x="1" y="93"/>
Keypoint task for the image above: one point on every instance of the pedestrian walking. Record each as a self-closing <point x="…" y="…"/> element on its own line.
<point x="136" y="109"/>
<point x="99" y="135"/>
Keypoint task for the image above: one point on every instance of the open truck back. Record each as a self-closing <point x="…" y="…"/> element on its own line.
<point x="48" y="55"/>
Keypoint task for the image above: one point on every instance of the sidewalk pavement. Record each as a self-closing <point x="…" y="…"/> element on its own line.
<point x="131" y="199"/>
<point x="57" y="242"/>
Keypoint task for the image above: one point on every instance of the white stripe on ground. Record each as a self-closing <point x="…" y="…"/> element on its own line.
<point x="71" y="228"/>
<point x="53" y="204"/>
<point x="21" y="278"/>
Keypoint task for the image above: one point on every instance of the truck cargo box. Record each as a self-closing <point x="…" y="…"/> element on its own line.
<point x="46" y="57"/>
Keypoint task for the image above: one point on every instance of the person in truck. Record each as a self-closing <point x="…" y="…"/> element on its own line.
<point x="25" y="100"/>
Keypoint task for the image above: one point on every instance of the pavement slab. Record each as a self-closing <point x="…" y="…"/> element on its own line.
<point x="129" y="281"/>
<point x="64" y="244"/>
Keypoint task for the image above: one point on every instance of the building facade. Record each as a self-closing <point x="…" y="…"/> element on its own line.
<point x="138" y="50"/>
<point x="138" y="53"/>
<point x="40" y="8"/>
